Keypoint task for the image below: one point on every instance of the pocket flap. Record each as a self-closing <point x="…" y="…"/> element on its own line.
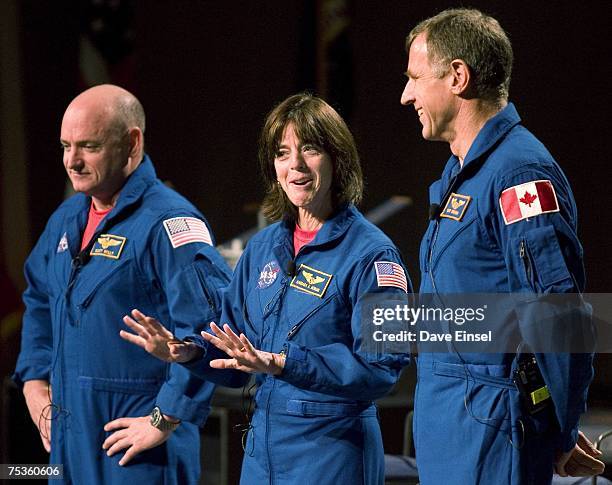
<point x="467" y="372"/>
<point x="547" y="256"/>
<point x="127" y="386"/>
<point x="312" y="408"/>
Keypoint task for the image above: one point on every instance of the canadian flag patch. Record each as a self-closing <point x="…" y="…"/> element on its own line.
<point x="528" y="200"/>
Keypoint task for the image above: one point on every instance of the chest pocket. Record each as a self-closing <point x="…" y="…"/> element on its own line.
<point x="280" y="312"/>
<point x="262" y="305"/>
<point x="539" y="263"/>
<point x="446" y="237"/>
<point x="101" y="274"/>
<point x="314" y="321"/>
<point x="266" y="302"/>
<point x="105" y="291"/>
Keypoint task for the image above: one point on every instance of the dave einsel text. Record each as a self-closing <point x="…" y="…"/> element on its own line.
<point x="30" y="471"/>
<point x="413" y="315"/>
<point x="426" y="336"/>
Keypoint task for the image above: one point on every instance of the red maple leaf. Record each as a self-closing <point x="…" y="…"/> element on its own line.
<point x="528" y="198"/>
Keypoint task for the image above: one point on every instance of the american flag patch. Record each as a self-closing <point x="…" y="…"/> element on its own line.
<point x="389" y="273"/>
<point x="185" y="230"/>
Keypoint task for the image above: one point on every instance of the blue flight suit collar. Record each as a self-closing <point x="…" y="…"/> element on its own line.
<point x="490" y="134"/>
<point x="135" y="186"/>
<point x="332" y="229"/>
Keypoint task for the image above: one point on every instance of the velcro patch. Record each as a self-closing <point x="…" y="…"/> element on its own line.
<point x="185" y="230"/>
<point x="268" y="275"/>
<point x="456" y="206"/>
<point x="389" y="273"/>
<point x="108" y="245"/>
<point x="63" y="244"/>
<point x="528" y="200"/>
<point x="311" y="281"/>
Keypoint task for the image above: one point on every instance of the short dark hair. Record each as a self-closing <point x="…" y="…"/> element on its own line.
<point x="475" y="38"/>
<point x="314" y="121"/>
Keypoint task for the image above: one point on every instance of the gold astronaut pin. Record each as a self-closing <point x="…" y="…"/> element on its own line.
<point x="456" y="206"/>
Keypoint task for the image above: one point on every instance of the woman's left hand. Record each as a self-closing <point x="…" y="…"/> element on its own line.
<point x="244" y="356"/>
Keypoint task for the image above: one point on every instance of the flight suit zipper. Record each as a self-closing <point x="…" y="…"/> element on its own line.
<point x="209" y="298"/>
<point x="434" y="237"/>
<point x="279" y="299"/>
<point x="76" y="266"/>
<point x="304" y="319"/>
<point x="80" y="260"/>
<point x="527" y="264"/>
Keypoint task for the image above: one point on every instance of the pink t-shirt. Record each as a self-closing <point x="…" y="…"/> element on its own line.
<point x="301" y="237"/>
<point x="93" y="220"/>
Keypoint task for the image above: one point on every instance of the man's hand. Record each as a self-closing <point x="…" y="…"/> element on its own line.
<point x="37" y="394"/>
<point x="244" y="356"/>
<point x="156" y="339"/>
<point x="135" y="434"/>
<point x="580" y="461"/>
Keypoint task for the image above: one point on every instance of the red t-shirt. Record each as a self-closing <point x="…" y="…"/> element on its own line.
<point x="301" y="237"/>
<point x="93" y="220"/>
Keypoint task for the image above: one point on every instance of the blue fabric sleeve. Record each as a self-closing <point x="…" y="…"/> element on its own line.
<point x="232" y="313"/>
<point x="345" y="371"/>
<point x="191" y="276"/>
<point x="543" y="256"/>
<point x="34" y="360"/>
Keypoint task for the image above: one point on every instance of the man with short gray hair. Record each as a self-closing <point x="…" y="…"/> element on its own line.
<point x="502" y="220"/>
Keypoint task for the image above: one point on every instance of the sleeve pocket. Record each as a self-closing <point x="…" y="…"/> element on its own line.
<point x="550" y="266"/>
<point x="212" y="274"/>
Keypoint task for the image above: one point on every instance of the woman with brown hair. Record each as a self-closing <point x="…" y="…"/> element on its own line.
<point x="293" y="311"/>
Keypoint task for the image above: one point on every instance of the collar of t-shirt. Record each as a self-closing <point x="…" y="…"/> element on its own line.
<point x="301" y="237"/>
<point x="93" y="221"/>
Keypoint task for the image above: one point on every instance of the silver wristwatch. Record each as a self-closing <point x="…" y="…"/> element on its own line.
<point x="158" y="421"/>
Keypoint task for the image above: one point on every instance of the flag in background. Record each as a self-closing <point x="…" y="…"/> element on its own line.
<point x="106" y="47"/>
<point x="107" y="43"/>
<point x="334" y="57"/>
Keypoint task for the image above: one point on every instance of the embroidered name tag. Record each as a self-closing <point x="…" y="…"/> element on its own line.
<point x="311" y="281"/>
<point x="108" y="246"/>
<point x="456" y="206"/>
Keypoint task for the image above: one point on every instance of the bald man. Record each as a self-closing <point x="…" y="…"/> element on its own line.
<point x="105" y="409"/>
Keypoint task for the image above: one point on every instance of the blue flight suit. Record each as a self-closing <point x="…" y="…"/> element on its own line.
<point x="316" y="422"/>
<point x="74" y="313"/>
<point x="475" y="429"/>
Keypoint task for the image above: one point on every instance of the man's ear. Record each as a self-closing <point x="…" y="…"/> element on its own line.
<point x="461" y="77"/>
<point x="136" y="140"/>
